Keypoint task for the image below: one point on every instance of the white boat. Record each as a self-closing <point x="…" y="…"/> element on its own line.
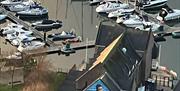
<point x="17" y="30"/>
<point x="150" y="4"/>
<point x="133" y="22"/>
<point x="127" y="17"/>
<point x="34" y="11"/>
<point x="147" y="26"/>
<point x="11" y="2"/>
<point x="120" y="12"/>
<point x="94" y="1"/>
<point x="10" y="37"/>
<point x="30" y="46"/>
<point x="2" y="16"/>
<point x="22" y="6"/>
<point x="102" y="1"/>
<point x="172" y="14"/>
<point x="109" y="7"/>
<point x="7" y="30"/>
<point x="18" y="7"/>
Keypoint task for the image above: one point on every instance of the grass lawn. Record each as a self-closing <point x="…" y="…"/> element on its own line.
<point x="9" y="88"/>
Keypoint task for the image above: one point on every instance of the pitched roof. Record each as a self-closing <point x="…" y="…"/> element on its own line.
<point x="119" y="60"/>
<point x="105" y="52"/>
<point x="98" y="82"/>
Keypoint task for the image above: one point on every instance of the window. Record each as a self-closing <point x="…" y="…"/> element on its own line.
<point x="124" y="50"/>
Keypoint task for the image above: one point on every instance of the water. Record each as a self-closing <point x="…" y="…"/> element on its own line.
<point x="170" y="52"/>
<point x="71" y="15"/>
<point x="174" y="4"/>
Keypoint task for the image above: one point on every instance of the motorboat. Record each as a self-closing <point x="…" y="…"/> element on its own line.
<point x="120" y="12"/>
<point x="2" y="16"/>
<point x="30" y="2"/>
<point x="17" y="37"/>
<point x="7" y="30"/>
<point x="13" y="25"/>
<point x="172" y="14"/>
<point x="150" y="4"/>
<point x="11" y="2"/>
<point x="30" y="46"/>
<point x="10" y="37"/>
<point x="33" y="11"/>
<point x="62" y="36"/>
<point x="47" y="24"/>
<point x="128" y="17"/>
<point x="18" y="7"/>
<point x="133" y="22"/>
<point x="92" y="2"/>
<point x="22" y="39"/>
<point x="109" y="7"/>
<point x="147" y="26"/>
<point x="22" y="6"/>
<point x="17" y="30"/>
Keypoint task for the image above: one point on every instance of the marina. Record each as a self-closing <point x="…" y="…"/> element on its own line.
<point x="84" y="21"/>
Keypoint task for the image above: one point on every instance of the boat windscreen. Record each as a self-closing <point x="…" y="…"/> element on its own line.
<point x="47" y="21"/>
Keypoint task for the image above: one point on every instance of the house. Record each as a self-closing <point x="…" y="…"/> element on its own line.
<point x="124" y="64"/>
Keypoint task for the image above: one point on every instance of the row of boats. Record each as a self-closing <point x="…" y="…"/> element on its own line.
<point x="130" y="18"/>
<point x="144" y="4"/>
<point x="20" y="37"/>
<point x="25" y="8"/>
<point x="23" y="39"/>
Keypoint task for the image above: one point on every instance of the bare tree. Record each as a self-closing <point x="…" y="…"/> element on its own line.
<point x="40" y="77"/>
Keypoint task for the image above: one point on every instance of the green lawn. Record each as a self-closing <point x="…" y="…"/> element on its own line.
<point x="9" y="88"/>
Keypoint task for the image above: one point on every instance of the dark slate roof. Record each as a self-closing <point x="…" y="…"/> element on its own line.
<point x="108" y="33"/>
<point x="119" y="60"/>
